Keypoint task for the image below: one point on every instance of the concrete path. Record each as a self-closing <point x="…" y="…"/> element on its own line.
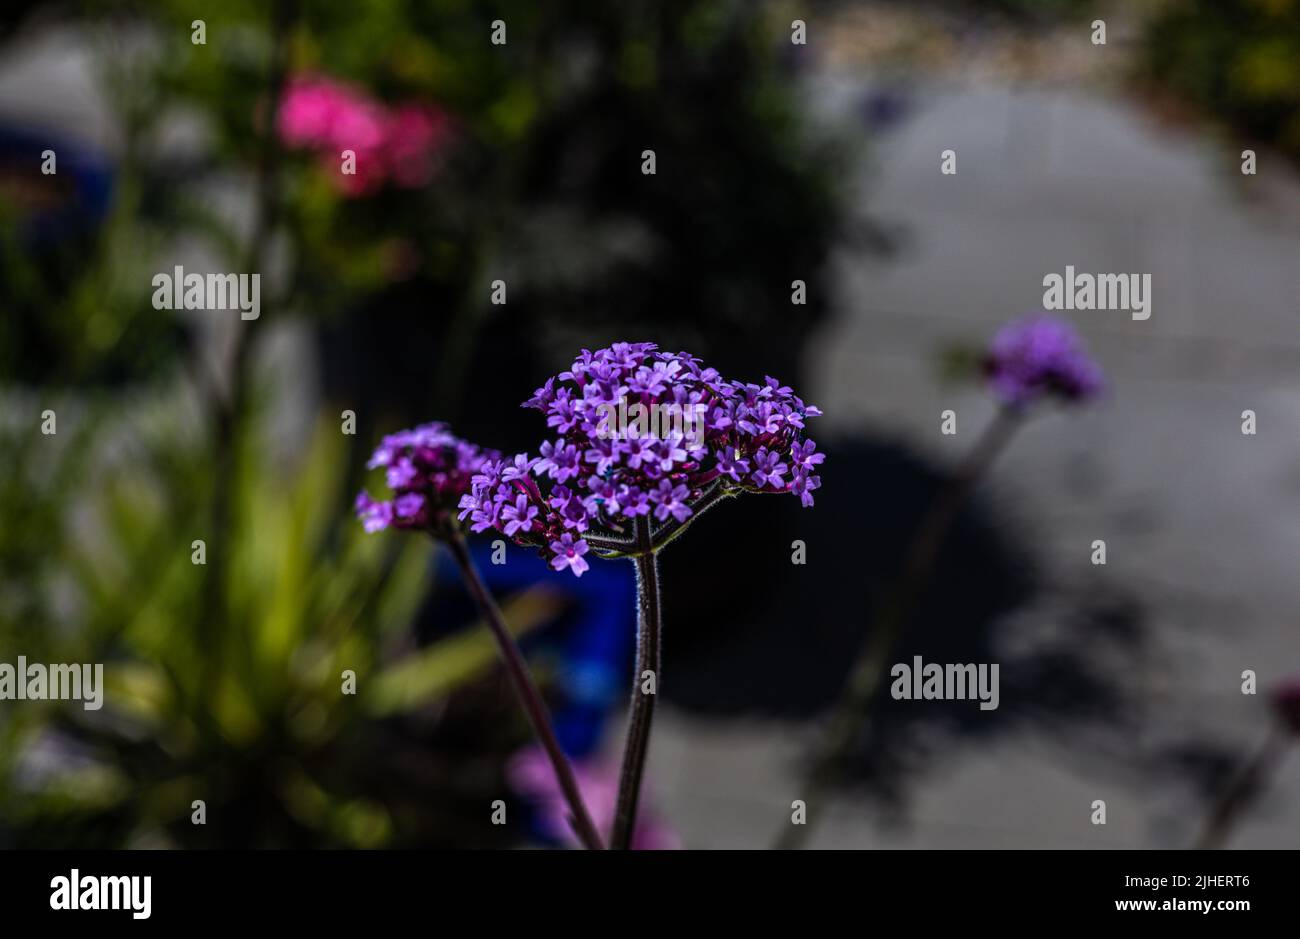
<point x="1202" y="523"/>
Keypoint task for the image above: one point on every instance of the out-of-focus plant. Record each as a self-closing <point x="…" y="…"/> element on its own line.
<point x="1029" y="363"/>
<point x="1257" y="770"/>
<point x="1237" y="59"/>
<point x="74" y="269"/>
<point x="542" y="165"/>
<point x="188" y="716"/>
<point x="538" y="182"/>
<point x="255" y="718"/>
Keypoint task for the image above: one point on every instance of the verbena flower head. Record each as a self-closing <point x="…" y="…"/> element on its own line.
<point x="391" y="144"/>
<point x="1041" y="356"/>
<point x="428" y="469"/>
<point x="642" y="434"/>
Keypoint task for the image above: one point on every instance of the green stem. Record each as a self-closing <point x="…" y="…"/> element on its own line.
<point x="643" y="704"/>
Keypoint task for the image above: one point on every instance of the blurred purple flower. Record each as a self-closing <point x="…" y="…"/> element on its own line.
<point x="529" y="774"/>
<point x="429" y="470"/>
<point x="1040" y="356"/>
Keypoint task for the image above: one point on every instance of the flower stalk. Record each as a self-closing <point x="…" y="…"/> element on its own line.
<point x="526" y="689"/>
<point x="1251" y="778"/>
<point x="429" y="468"/>
<point x="641" y="712"/>
<point x="610" y="488"/>
<point x="1028" y="361"/>
<point x="1241" y="790"/>
<point x="853" y="708"/>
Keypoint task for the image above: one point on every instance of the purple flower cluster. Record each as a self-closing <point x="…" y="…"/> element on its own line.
<point x="429" y="469"/>
<point x="746" y="437"/>
<point x="1040" y="356"/>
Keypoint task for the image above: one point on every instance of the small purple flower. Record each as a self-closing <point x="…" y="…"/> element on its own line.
<point x="543" y="396"/>
<point x="667" y="453"/>
<point x="729" y="464"/>
<point x="563" y="414"/>
<point x="671" y="500"/>
<point x="375" y="516"/>
<point x="636" y="451"/>
<point x="519" y="515"/>
<point x="518" y="468"/>
<point x="763" y="419"/>
<point x="633" y="501"/>
<point x="653" y="380"/>
<point x="803" y="485"/>
<point x="408" y="505"/>
<point x="402" y="474"/>
<point x="559" y="461"/>
<point x="1041" y="356"/>
<point x="569" y="554"/>
<point x="805" y="455"/>
<point x="768" y="469"/>
<point x="604" y="452"/>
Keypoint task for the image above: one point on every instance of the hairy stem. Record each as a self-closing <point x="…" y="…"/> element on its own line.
<point x="643" y="704"/>
<point x="665" y="535"/>
<point x="529" y="696"/>
<point x="850" y="713"/>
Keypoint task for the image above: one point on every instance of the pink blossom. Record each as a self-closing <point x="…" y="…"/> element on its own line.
<point x="530" y="775"/>
<point x="398" y="145"/>
<point x="414" y="134"/>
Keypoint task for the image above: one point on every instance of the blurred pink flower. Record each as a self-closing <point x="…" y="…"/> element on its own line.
<point x="530" y="774"/>
<point x="320" y="112"/>
<point x="414" y="134"/>
<point x="398" y="144"/>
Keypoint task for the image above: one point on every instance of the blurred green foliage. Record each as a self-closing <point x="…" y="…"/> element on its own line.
<point x="108" y="576"/>
<point x="224" y="678"/>
<point x="249" y="715"/>
<point x="1237" y="59"/>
